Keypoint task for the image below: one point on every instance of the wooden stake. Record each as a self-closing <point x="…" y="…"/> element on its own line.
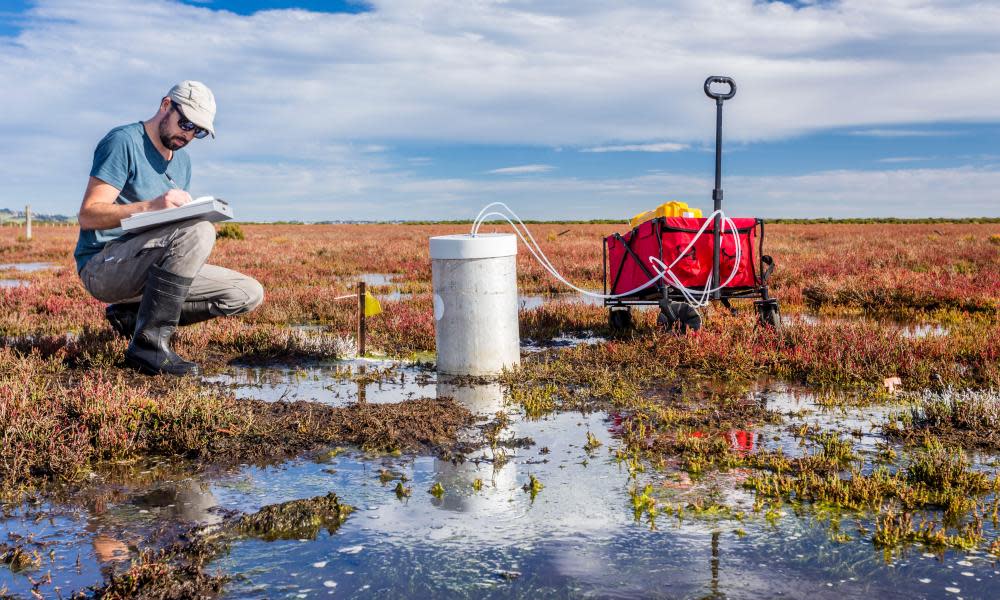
<point x="27" y="221"/>
<point x="361" y="318"/>
<point x="362" y="386"/>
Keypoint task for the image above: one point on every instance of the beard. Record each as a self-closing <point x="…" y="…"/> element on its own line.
<point x="175" y="142"/>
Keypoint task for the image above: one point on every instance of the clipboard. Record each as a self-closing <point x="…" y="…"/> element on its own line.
<point x="208" y="208"/>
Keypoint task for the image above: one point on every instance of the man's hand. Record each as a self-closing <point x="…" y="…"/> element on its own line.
<point x="99" y="211"/>
<point x="171" y="199"/>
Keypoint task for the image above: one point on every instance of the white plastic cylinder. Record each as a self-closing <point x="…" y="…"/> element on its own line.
<point x="475" y="303"/>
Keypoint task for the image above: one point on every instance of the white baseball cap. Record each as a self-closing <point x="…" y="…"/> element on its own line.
<point x="198" y="102"/>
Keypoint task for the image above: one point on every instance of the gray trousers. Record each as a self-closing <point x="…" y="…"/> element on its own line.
<point x="118" y="273"/>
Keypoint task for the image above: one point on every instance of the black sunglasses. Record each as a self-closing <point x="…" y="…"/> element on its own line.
<point x="187" y="125"/>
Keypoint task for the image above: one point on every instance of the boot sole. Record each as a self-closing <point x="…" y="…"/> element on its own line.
<point x="145" y="369"/>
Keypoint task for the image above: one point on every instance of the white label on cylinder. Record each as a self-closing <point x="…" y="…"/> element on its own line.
<point x="438" y="307"/>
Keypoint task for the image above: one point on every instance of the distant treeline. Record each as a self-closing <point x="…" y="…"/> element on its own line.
<point x="14" y="217"/>
<point x="826" y="220"/>
<point x="889" y="220"/>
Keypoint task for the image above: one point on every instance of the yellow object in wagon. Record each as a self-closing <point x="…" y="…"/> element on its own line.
<point x="668" y="209"/>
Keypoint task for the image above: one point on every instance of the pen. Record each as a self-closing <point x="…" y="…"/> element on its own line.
<point x="171" y="181"/>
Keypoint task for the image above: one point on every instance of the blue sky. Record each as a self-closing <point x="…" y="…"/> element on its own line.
<point x="421" y="109"/>
<point x="250" y="7"/>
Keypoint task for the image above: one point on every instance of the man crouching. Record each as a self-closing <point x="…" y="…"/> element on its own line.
<point x="157" y="279"/>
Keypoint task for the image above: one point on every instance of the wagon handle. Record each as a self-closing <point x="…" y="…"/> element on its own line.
<point x="717" y="192"/>
<point x="720" y="79"/>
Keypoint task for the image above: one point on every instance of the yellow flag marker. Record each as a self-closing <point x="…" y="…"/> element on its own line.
<point x="372" y="306"/>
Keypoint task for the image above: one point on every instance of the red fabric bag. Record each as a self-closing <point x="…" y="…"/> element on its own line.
<point x="666" y="238"/>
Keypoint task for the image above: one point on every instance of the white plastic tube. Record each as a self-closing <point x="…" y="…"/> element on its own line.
<point x="696" y="297"/>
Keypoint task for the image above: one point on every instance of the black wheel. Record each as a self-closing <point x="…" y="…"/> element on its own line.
<point x="620" y="319"/>
<point x="768" y="313"/>
<point x="678" y="317"/>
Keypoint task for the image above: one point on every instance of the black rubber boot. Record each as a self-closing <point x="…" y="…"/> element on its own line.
<point x="150" y="351"/>
<point x="123" y="316"/>
<point x="195" y="312"/>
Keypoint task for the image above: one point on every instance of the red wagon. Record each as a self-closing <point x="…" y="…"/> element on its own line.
<point x="669" y="240"/>
<point x="718" y="259"/>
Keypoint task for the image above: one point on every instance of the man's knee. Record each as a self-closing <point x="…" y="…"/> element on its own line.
<point x="255" y="293"/>
<point x="189" y="247"/>
<point x="195" y="237"/>
<point x="242" y="298"/>
<point x="203" y="233"/>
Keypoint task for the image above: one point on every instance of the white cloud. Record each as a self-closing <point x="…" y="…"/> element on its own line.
<point x="313" y="194"/>
<point x="307" y="101"/>
<point x="903" y="159"/>
<point x="541" y="72"/>
<point x="522" y="170"/>
<point x="661" y="147"/>
<point x="904" y="133"/>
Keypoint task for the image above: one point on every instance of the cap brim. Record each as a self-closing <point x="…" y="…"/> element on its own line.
<point x="199" y="118"/>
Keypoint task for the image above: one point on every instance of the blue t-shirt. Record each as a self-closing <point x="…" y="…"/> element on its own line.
<point x="127" y="159"/>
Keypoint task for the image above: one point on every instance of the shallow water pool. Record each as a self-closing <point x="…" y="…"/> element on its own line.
<point x="578" y="536"/>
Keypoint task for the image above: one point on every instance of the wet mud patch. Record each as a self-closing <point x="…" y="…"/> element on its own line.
<point x="291" y="427"/>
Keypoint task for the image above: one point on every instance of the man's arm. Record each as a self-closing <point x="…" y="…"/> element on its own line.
<point x="99" y="211"/>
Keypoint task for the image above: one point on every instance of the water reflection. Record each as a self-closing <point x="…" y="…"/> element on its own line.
<point x="802" y="406"/>
<point x="187" y="501"/>
<point x="375" y="279"/>
<point x="30" y="267"/>
<point x="906" y="328"/>
<point x="339" y="383"/>
<point x="577" y="537"/>
<point x="395" y="296"/>
<point x="585" y="338"/>
<point x="342" y="383"/>
<point x="481" y="398"/>
<point x="530" y="302"/>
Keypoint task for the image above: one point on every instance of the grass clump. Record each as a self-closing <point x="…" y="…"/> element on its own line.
<point x="894" y="529"/>
<point x="936" y="479"/>
<point x="18" y="558"/>
<point x="966" y="418"/>
<point x="57" y="424"/>
<point x="297" y="519"/>
<point x="533" y="486"/>
<point x="437" y="490"/>
<point x="229" y="231"/>
<point x="536" y="400"/>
